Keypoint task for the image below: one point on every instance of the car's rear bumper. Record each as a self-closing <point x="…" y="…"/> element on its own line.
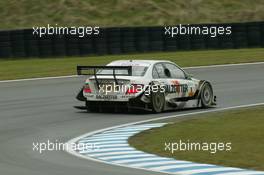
<point x="104" y="98"/>
<point x="133" y="103"/>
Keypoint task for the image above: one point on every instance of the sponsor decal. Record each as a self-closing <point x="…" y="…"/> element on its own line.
<point x="125" y="96"/>
<point x="176" y="87"/>
<point x="106" y="97"/>
<point x="191" y="93"/>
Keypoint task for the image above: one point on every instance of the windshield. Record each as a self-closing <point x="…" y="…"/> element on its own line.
<point x="136" y="71"/>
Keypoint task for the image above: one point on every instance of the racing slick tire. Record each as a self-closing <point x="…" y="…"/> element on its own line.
<point x="206" y="95"/>
<point x="91" y="107"/>
<point x="157" y="101"/>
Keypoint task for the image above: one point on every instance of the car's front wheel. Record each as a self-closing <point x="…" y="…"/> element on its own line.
<point x="206" y="95"/>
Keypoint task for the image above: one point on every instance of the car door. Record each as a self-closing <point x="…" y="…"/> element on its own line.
<point x="185" y="87"/>
<point x="177" y="85"/>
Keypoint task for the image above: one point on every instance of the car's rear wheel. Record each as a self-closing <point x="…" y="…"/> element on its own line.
<point x="157" y="101"/>
<point x="206" y="95"/>
<point x="91" y="107"/>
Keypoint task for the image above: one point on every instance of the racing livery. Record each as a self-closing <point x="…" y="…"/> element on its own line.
<point x="153" y="85"/>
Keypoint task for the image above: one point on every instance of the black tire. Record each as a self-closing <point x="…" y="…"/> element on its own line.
<point x="157" y="101"/>
<point x="206" y="95"/>
<point x="91" y="107"/>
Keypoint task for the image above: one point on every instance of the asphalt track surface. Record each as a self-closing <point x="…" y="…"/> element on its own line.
<point x="37" y="111"/>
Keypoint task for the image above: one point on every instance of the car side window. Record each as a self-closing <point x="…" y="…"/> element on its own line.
<point x="175" y="71"/>
<point x="160" y="71"/>
<point x="155" y="73"/>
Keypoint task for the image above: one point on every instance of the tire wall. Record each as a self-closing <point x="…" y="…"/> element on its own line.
<point x="125" y="40"/>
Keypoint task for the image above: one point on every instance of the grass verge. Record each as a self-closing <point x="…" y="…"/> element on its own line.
<point x="32" y="68"/>
<point x="28" y="13"/>
<point x="244" y="128"/>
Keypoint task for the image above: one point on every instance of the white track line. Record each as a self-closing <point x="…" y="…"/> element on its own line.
<point x="242" y="173"/>
<point x="114" y="145"/>
<point x="74" y="140"/>
<point x="42" y="78"/>
<point x="166" y="167"/>
<point x="126" y="156"/>
<point x="104" y="143"/>
<point x="108" y="150"/>
<point x="114" y="153"/>
<point x="207" y="170"/>
<point x="140" y="159"/>
<point x="108" y="136"/>
<point x="75" y="76"/>
<point x="160" y="163"/>
<point x="222" y="65"/>
<point x="105" y="139"/>
<point x="114" y="134"/>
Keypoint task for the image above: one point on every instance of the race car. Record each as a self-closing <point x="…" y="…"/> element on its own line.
<point x="152" y="85"/>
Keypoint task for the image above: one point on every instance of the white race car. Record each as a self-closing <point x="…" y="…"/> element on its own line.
<point x="153" y="85"/>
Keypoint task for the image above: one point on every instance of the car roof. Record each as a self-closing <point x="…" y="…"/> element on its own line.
<point x="136" y="62"/>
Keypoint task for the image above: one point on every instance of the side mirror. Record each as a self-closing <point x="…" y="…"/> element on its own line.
<point x="189" y="76"/>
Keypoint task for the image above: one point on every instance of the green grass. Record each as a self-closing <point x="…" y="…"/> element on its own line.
<point x="31" y="68"/>
<point x="28" y="13"/>
<point x="244" y="128"/>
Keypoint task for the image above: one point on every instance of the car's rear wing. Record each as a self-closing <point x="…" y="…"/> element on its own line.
<point x="93" y="70"/>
